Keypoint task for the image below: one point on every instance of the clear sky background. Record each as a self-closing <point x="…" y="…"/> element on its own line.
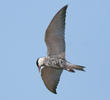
<point x="22" y="27"/>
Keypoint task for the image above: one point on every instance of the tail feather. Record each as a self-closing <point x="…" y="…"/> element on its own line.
<point x="79" y="67"/>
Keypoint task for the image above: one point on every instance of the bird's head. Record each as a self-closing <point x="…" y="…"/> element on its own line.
<point x="40" y="63"/>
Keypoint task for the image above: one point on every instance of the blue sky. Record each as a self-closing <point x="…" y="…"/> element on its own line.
<point x="22" y="28"/>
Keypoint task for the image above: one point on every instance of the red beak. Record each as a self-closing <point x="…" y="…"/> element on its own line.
<point x="39" y="69"/>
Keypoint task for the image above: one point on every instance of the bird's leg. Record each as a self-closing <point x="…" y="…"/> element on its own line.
<point x="69" y="68"/>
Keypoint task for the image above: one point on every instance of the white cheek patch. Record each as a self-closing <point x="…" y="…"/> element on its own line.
<point x="41" y="61"/>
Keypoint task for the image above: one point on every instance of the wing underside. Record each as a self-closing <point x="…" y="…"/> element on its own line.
<point x="55" y="34"/>
<point x="55" y="41"/>
<point x="51" y="77"/>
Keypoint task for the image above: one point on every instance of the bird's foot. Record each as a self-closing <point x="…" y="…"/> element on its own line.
<point x="71" y="70"/>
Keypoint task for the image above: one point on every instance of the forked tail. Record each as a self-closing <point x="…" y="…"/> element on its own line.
<point x="78" y="67"/>
<point x="75" y="67"/>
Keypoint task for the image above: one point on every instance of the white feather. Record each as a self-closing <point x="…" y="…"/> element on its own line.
<point x="41" y="61"/>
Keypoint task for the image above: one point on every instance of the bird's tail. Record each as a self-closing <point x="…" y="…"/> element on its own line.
<point x="78" y="67"/>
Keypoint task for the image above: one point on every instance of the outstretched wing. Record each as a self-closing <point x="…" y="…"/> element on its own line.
<point x="55" y="34"/>
<point x="55" y="41"/>
<point x="51" y="77"/>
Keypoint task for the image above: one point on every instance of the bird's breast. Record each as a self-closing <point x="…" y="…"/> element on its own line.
<point x="54" y="62"/>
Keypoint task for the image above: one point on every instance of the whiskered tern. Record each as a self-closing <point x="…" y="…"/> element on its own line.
<point x="54" y="63"/>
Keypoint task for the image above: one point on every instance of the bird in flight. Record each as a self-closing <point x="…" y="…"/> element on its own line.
<point x="54" y="63"/>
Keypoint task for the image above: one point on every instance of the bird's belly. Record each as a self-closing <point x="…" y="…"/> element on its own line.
<point x="55" y="63"/>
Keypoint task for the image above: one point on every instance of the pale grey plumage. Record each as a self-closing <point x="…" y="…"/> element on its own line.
<point x="55" y="62"/>
<point x="54" y="36"/>
<point x="51" y="77"/>
<point x="55" y="42"/>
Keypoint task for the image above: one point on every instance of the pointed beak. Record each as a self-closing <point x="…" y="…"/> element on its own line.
<point x="39" y="69"/>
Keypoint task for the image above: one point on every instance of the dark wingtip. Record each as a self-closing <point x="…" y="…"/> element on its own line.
<point x="65" y="7"/>
<point x="53" y="91"/>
